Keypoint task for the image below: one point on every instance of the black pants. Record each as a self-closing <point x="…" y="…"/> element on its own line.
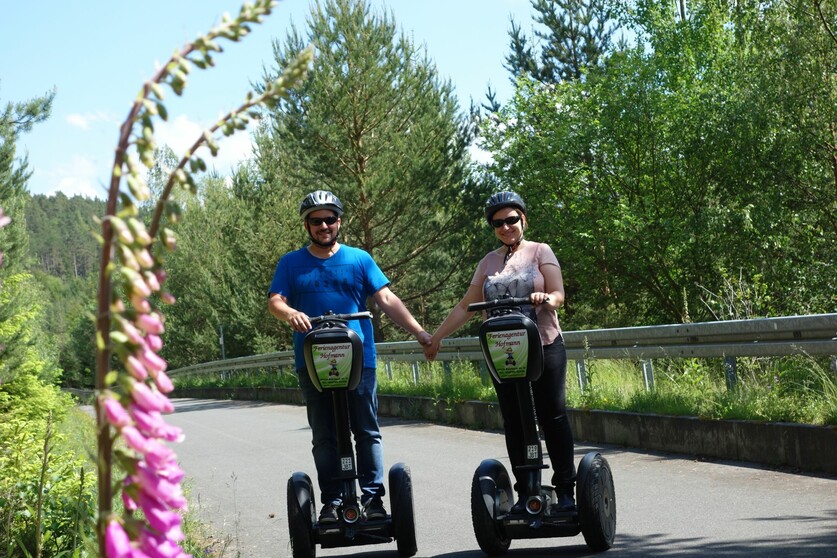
<point x="550" y="396"/>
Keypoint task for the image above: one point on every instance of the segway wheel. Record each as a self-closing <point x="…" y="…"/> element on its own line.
<point x="596" y="502"/>
<point x="403" y="515"/>
<point x="490" y="494"/>
<point x="301" y="516"/>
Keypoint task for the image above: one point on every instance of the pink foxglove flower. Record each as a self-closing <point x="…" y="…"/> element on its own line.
<point x="134" y="439"/>
<point x="116" y="413"/>
<point x="152" y="424"/>
<point x="163" y="382"/>
<point x="152" y="362"/>
<point x="150" y="323"/>
<point x="117" y="543"/>
<point x="136" y="368"/>
<point x="150" y="399"/>
<point x="154" y="342"/>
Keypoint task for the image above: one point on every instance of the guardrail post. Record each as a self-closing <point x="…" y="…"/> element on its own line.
<point x="415" y="367"/>
<point x="834" y="365"/>
<point x="448" y="372"/>
<point x="388" y="368"/>
<point x="731" y="369"/>
<point x="648" y="374"/>
<point x="581" y="373"/>
<point x="486" y="380"/>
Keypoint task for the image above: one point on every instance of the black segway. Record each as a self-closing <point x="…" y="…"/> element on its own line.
<point x="334" y="360"/>
<point x="513" y="352"/>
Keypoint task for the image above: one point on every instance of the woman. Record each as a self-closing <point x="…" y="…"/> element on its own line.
<point x="520" y="268"/>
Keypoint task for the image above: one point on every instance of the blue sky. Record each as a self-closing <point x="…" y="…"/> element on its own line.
<point x="97" y="54"/>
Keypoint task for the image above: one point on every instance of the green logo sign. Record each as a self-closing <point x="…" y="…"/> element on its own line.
<point x="509" y="351"/>
<point x="333" y="364"/>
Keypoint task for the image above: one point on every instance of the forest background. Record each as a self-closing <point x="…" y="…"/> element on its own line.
<point x="679" y="157"/>
<point x="687" y="173"/>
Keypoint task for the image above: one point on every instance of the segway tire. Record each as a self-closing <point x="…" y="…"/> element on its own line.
<point x="403" y="513"/>
<point x="490" y="483"/>
<point x="596" y="502"/>
<point x="301" y="516"/>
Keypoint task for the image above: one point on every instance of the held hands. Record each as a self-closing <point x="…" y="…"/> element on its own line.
<point x="423" y="338"/>
<point x="432" y="348"/>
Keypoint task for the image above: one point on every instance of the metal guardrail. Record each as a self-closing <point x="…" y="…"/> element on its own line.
<point x="761" y="337"/>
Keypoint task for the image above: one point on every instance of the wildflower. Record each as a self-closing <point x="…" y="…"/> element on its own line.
<point x="152" y="361"/>
<point x="150" y="399"/>
<point x="136" y="368"/>
<point x="154" y="342"/>
<point x="116" y="413"/>
<point x="150" y="323"/>
<point x="151" y="423"/>
<point x="134" y="439"/>
<point x="117" y="543"/>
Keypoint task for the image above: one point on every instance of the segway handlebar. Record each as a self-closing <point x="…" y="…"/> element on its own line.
<point x="341" y="317"/>
<point x="499" y="303"/>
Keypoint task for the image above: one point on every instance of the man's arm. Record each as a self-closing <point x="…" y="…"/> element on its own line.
<point x="398" y="313"/>
<point x="278" y="306"/>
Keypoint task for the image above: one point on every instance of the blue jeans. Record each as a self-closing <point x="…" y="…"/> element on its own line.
<point x="363" y="418"/>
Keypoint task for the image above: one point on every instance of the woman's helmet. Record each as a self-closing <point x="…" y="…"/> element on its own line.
<point x="503" y="199"/>
<point x="320" y="199"/>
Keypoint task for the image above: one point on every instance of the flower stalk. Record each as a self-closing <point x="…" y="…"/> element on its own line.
<point x="131" y="380"/>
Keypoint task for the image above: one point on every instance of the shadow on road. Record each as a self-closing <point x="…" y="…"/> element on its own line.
<point x="192" y="405"/>
<point x="662" y="545"/>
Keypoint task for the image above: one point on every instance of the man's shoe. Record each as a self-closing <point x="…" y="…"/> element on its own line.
<point x="374" y="509"/>
<point x="328" y="514"/>
<point x="564" y="502"/>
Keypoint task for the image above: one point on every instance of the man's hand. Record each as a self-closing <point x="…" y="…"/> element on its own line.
<point x="424" y="338"/>
<point x="299" y="322"/>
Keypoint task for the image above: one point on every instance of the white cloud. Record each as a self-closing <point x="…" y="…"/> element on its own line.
<point x="79" y="177"/>
<point x="83" y="121"/>
<point x="181" y="133"/>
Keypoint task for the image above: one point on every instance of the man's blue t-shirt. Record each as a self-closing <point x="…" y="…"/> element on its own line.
<point x="340" y="284"/>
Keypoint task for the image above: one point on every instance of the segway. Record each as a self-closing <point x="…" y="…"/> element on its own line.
<point x="334" y="360"/>
<point x="513" y="352"/>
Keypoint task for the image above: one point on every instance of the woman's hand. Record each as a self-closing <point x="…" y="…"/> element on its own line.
<point x="540" y="298"/>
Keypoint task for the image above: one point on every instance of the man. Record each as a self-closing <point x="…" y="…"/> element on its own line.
<point x="328" y="276"/>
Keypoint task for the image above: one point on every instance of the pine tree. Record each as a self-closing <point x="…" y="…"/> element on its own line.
<point x="375" y="124"/>
<point x="575" y="35"/>
<point x="20" y="350"/>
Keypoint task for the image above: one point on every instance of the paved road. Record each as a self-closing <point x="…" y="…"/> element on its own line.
<point x="239" y="455"/>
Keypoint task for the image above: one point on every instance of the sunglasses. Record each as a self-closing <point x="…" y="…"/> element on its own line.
<point x="513" y="220"/>
<point x="317" y="221"/>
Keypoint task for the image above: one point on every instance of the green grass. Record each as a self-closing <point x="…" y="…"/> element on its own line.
<point x="797" y="389"/>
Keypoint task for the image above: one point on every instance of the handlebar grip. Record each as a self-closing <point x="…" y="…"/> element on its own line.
<point x="499" y="303"/>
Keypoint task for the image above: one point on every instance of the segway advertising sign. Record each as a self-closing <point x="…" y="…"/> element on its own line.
<point x="509" y="352"/>
<point x="332" y="364"/>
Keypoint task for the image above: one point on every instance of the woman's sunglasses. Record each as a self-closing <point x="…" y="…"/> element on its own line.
<point x="317" y="221"/>
<point x="497" y="223"/>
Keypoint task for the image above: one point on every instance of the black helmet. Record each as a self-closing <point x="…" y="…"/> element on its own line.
<point x="320" y="199"/>
<point x="503" y="199"/>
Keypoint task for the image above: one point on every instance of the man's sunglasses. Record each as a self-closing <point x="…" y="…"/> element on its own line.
<point x="497" y="223"/>
<point x="317" y="221"/>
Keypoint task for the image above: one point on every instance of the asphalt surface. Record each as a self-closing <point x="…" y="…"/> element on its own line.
<point x="238" y="457"/>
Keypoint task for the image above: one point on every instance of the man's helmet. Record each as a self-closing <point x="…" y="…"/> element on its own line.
<point x="503" y="199"/>
<point x="320" y="199"/>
